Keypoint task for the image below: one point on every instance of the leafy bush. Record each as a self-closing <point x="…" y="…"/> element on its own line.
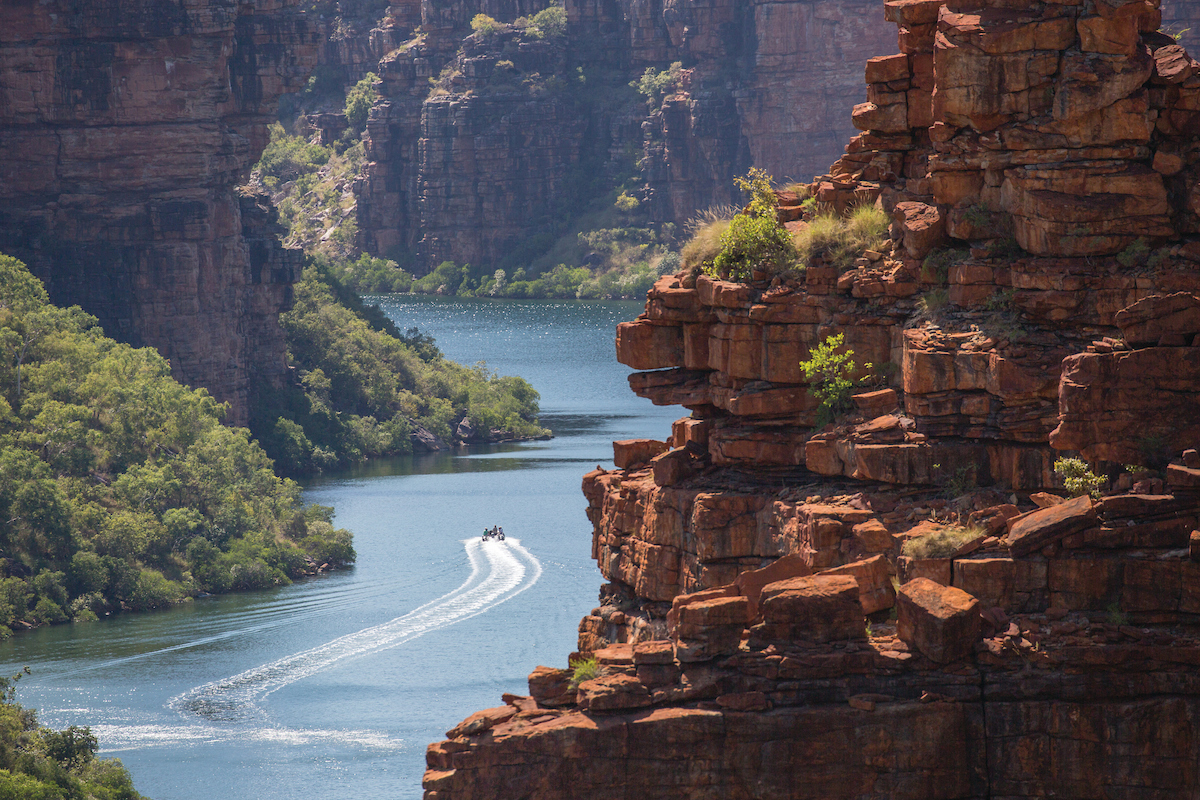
<point x="943" y="543"/>
<point x="754" y="239"/>
<point x="549" y="22"/>
<point x="359" y="101"/>
<point x="482" y="23"/>
<point x="653" y="84"/>
<point x="39" y="763"/>
<point x="110" y="470"/>
<point x="1077" y="478"/>
<point x="287" y="158"/>
<point x="830" y="371"/>
<point x="583" y="669"/>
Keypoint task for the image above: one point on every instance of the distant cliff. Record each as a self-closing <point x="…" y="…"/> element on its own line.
<point x="126" y="127"/>
<point x="468" y="171"/>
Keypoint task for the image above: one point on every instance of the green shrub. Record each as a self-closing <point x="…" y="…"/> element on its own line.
<point x="359" y="101"/>
<point x="830" y="372"/>
<point x="653" y="84"/>
<point x="754" y="239"/>
<point x="549" y="22"/>
<point x="482" y="23"/>
<point x="1135" y="254"/>
<point x="583" y="669"/>
<point x="1077" y="478"/>
<point x="943" y="543"/>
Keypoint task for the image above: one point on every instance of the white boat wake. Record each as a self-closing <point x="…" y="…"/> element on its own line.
<point x="499" y="572"/>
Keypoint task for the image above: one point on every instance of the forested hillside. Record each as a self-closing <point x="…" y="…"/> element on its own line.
<point x="366" y="389"/>
<point x="121" y="488"/>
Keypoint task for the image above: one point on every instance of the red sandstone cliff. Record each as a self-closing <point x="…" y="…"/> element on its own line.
<point x="126" y="128"/>
<point x="764" y="633"/>
<point x="762" y="77"/>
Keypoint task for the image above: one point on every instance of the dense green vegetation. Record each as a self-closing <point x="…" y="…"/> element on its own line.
<point x="38" y="763"/>
<point x="119" y="487"/>
<point x="366" y="389"/>
<point x="734" y="244"/>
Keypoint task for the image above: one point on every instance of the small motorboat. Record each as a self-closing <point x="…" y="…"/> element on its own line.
<point x="495" y="532"/>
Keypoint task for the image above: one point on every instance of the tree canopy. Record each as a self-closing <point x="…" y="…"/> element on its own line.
<point x="119" y="487"/>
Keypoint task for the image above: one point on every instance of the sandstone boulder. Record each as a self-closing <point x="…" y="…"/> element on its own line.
<point x="875" y="590"/>
<point x="1147" y="321"/>
<point x="941" y="622"/>
<point x="1037" y="529"/>
<point x="551" y="687"/>
<point x="634" y="453"/>
<point x="613" y="693"/>
<point x="820" y="608"/>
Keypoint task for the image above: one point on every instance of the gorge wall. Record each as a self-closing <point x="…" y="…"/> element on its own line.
<point x="126" y="127"/>
<point x="903" y="603"/>
<point x="768" y="84"/>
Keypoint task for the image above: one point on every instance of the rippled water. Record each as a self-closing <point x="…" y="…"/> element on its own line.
<point x="335" y="685"/>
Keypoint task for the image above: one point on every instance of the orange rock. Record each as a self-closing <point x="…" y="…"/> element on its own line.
<point x="875" y="590"/>
<point x="940" y="621"/>
<point x="818" y="608"/>
<point x="633" y="453"/>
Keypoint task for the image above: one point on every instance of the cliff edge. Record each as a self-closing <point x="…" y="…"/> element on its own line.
<point x="904" y="603"/>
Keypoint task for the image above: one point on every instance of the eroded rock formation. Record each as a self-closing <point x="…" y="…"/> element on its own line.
<point x="761" y="77"/>
<point x="126" y="127"/>
<point x="845" y="612"/>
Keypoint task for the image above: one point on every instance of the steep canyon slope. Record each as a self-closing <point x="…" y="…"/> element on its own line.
<point x="902" y="603"/>
<point x="126" y="128"/>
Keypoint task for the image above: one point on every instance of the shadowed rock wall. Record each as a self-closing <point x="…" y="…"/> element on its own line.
<point x="126" y="127"/>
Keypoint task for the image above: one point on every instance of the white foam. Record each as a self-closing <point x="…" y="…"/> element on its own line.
<point x="511" y="570"/>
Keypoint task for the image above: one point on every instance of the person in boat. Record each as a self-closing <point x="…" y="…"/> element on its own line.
<point x="500" y="533"/>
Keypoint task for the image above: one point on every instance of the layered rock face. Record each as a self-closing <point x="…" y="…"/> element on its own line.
<point x="769" y="85"/>
<point x="126" y="128"/>
<point x="762" y="77"/>
<point x="844" y="612"/>
<point x="498" y="143"/>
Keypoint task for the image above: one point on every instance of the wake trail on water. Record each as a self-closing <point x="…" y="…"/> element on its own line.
<point x="499" y="572"/>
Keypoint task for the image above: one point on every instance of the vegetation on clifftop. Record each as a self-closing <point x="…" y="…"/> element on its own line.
<point x="121" y="488"/>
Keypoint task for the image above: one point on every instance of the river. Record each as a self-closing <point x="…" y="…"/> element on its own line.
<point x="335" y="685"/>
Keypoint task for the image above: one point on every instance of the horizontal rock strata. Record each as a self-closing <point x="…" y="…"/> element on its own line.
<point x="126" y="127"/>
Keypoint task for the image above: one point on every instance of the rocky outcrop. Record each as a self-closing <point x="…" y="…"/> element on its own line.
<point x="127" y="127"/>
<point x="1037" y="296"/>
<point x="1086" y="640"/>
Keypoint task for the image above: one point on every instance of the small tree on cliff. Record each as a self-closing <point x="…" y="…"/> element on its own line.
<point x="830" y="370"/>
<point x="755" y="239"/>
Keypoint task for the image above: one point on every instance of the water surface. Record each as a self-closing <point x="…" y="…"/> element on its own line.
<point x="335" y="685"/>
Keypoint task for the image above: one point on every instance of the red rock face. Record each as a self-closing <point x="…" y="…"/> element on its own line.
<point x="126" y="128"/>
<point x="440" y="163"/>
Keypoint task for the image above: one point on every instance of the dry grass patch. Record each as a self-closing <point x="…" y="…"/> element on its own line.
<point x="941" y="544"/>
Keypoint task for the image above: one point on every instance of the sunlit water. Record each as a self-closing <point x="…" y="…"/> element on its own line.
<point x="334" y="686"/>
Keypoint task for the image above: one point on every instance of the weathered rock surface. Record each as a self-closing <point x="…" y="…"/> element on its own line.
<point x="953" y="700"/>
<point x="477" y="148"/>
<point x="126" y="128"/>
